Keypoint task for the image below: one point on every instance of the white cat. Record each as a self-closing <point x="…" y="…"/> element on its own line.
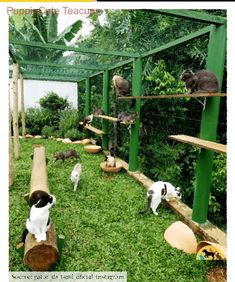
<point x="158" y="191"/>
<point x="75" y="175"/>
<point x="39" y="221"/>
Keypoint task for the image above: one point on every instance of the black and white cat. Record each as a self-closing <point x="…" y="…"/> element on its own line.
<point x="39" y="220"/>
<point x="202" y="81"/>
<point x="158" y="191"/>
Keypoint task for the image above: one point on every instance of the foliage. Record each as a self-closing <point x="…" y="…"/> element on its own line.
<point x="36" y="119"/>
<point x="68" y="120"/>
<point x="163" y="82"/>
<point x="47" y="131"/>
<point x="74" y="134"/>
<point x="54" y="105"/>
<point x="218" y="196"/>
<point x="100" y="221"/>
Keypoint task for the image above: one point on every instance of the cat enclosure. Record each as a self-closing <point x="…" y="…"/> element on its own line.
<point x="55" y="61"/>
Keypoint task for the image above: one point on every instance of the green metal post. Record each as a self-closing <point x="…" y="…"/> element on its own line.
<point x="78" y="100"/>
<point x="88" y="97"/>
<point x="105" y="107"/>
<point x="136" y="91"/>
<point x="88" y="101"/>
<point x="209" y="121"/>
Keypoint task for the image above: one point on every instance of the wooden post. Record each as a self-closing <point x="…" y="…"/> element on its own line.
<point x="136" y="89"/>
<point x="209" y="121"/>
<point x="40" y="256"/>
<point x="105" y="106"/>
<point x="10" y="149"/>
<point x="15" y="110"/>
<point x="22" y="104"/>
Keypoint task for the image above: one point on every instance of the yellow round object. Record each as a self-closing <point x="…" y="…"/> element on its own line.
<point x="211" y="251"/>
<point x="92" y="149"/>
<point x="105" y="168"/>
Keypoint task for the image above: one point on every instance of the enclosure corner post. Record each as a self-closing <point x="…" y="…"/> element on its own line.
<point x="22" y="104"/>
<point x="78" y="95"/>
<point x="134" y="138"/>
<point x="88" y="96"/>
<point x="105" y="106"/>
<point x="209" y="121"/>
<point x="15" y="110"/>
<point x="10" y="147"/>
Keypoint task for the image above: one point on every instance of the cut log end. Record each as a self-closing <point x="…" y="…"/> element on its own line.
<point x="41" y="256"/>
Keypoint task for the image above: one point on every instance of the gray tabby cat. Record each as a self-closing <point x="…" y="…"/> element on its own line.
<point x="202" y="81"/>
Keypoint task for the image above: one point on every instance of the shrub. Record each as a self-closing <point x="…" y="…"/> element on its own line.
<point x="35" y="120"/>
<point x="68" y="120"/>
<point x="47" y="131"/>
<point x="73" y="134"/>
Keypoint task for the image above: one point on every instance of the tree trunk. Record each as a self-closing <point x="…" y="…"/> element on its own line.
<point x="10" y="149"/>
<point x="15" y="111"/>
<point x="22" y="105"/>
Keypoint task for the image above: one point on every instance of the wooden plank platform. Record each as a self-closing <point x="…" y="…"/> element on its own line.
<point x="213" y="146"/>
<point x="107" y="117"/>
<point x="170" y="96"/>
<point x="93" y="129"/>
<point x="113" y="119"/>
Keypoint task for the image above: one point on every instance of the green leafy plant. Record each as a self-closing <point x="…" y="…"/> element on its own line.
<point x="163" y="82"/>
<point x="47" y="131"/>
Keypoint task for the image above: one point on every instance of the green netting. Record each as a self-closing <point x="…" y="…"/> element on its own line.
<point x="120" y="31"/>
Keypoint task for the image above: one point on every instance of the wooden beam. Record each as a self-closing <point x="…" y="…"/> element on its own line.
<point x="93" y="129"/>
<point x="178" y="41"/>
<point x="10" y="148"/>
<point x="15" y="110"/>
<point x="113" y="119"/>
<point x="170" y="96"/>
<point x="193" y="15"/>
<point x="209" y="145"/>
<point x="22" y="105"/>
<point x="70" y="48"/>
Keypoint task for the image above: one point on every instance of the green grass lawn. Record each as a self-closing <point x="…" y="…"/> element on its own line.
<point x="100" y="222"/>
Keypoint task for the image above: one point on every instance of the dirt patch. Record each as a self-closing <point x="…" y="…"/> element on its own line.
<point x="217" y="274"/>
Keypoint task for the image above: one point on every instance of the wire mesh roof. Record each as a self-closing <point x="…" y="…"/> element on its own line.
<point x="43" y="53"/>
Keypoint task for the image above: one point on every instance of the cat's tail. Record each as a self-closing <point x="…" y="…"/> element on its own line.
<point x="149" y="201"/>
<point x="24" y="234"/>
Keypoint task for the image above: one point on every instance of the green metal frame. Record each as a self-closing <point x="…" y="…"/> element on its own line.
<point x="216" y="27"/>
<point x="209" y="121"/>
<point x="105" y="107"/>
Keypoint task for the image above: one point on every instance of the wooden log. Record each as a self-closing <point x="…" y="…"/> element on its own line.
<point x="10" y="150"/>
<point x="39" y="178"/>
<point x="15" y="110"/>
<point x="22" y="105"/>
<point x="40" y="256"/>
